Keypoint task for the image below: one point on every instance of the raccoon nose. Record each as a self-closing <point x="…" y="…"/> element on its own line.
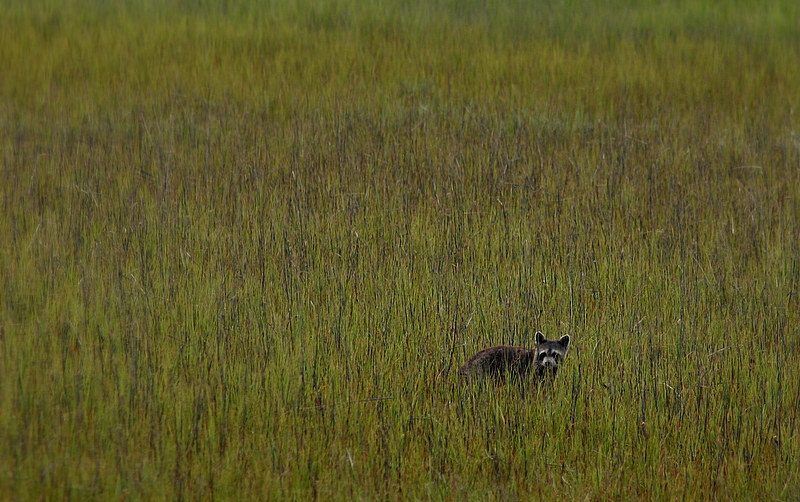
<point x="550" y="361"/>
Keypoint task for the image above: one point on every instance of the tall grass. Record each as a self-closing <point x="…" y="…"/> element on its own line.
<point x="245" y="246"/>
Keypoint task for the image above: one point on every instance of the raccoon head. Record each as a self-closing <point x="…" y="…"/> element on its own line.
<point x="550" y="353"/>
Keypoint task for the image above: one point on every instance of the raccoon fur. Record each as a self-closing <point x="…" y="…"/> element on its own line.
<point x="499" y="362"/>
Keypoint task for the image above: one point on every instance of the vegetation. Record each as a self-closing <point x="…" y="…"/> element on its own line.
<point x="245" y="245"/>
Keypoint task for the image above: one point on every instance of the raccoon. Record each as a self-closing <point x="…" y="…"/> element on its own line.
<point x="518" y="362"/>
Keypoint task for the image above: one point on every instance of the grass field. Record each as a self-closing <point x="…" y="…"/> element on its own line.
<point x="245" y="245"/>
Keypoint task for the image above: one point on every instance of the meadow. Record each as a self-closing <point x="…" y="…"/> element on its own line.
<point x="244" y="247"/>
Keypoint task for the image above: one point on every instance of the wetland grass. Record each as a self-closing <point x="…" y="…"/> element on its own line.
<point x="244" y="249"/>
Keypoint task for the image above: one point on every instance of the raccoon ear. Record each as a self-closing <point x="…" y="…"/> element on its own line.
<point x="539" y="337"/>
<point x="564" y="341"/>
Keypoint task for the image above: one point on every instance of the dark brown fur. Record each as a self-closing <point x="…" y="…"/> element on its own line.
<point x="518" y="362"/>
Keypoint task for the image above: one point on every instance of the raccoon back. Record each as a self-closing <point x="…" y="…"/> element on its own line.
<point x="499" y="360"/>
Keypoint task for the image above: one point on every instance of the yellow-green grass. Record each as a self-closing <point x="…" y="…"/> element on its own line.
<point x="244" y="247"/>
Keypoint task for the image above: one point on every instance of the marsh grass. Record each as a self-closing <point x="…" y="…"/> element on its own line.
<point x="245" y="248"/>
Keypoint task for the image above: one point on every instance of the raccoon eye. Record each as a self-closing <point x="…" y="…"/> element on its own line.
<point x="542" y="355"/>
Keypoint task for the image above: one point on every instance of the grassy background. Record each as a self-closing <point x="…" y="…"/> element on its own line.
<point x="244" y="246"/>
